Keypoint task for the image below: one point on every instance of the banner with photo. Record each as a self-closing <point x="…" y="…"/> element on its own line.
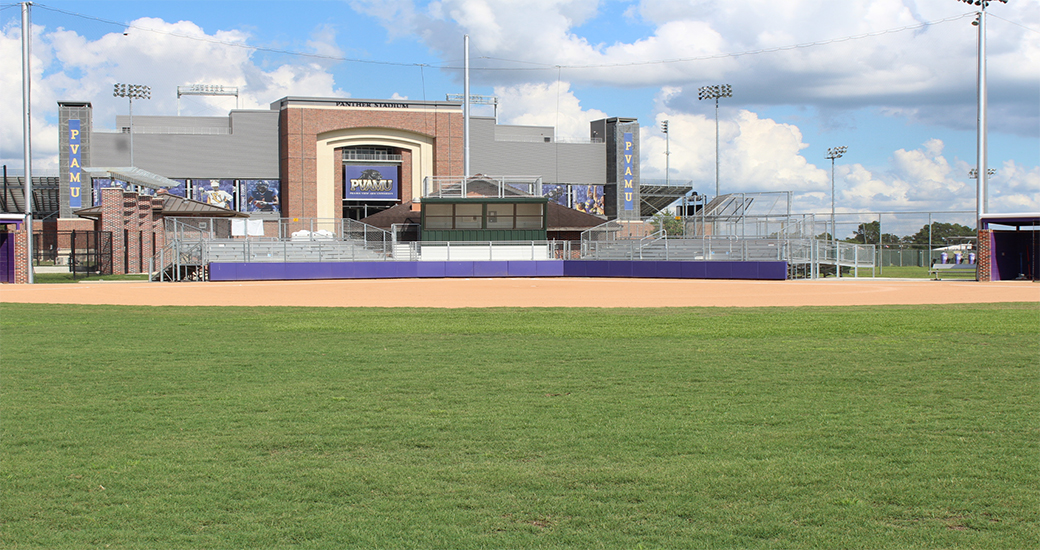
<point x="589" y="199"/>
<point x="557" y="193"/>
<point x="180" y="190"/>
<point x="219" y="193"/>
<point x="369" y="182"/>
<point x="260" y="196"/>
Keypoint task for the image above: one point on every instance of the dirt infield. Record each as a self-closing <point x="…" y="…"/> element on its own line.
<point x="535" y="292"/>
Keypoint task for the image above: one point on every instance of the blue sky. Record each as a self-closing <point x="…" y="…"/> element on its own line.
<point x="894" y="80"/>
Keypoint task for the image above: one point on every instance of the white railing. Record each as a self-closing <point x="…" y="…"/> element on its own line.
<point x="481" y="185"/>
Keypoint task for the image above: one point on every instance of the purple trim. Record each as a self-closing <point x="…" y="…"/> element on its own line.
<point x="548" y="268"/>
<point x="994" y="269"/>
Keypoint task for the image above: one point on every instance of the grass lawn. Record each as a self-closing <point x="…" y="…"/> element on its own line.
<point x="49" y="278"/>
<point x="852" y="427"/>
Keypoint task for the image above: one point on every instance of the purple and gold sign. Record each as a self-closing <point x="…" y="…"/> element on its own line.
<point x="627" y="177"/>
<point x="75" y="166"/>
<point x="369" y="182"/>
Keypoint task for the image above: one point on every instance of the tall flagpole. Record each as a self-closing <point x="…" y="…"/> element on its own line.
<point x="27" y="134"/>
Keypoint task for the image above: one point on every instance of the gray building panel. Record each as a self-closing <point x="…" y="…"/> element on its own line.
<point x="527" y="154"/>
<point x="192" y="148"/>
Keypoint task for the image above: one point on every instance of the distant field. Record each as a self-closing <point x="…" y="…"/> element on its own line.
<point x="219" y="427"/>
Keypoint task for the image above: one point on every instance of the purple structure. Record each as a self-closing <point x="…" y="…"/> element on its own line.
<point x="243" y="271"/>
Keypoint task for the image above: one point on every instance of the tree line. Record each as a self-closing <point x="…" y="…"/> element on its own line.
<point x="941" y="234"/>
<point x="867" y="233"/>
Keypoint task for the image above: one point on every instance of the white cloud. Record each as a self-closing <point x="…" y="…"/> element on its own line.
<point x="546" y="105"/>
<point x="755" y="154"/>
<point x="926" y="73"/>
<point x="67" y="66"/>
<point x="758" y="155"/>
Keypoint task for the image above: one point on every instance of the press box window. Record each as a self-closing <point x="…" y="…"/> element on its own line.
<point x="469" y="216"/>
<point x="529" y="216"/>
<point x="439" y="216"/>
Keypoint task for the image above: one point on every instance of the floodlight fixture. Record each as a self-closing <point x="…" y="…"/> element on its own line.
<point x="974" y="172"/>
<point x="715" y="92"/>
<point x="132" y="92"/>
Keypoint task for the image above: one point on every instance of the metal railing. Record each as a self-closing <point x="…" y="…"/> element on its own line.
<point x="486" y="186"/>
<point x="193" y="243"/>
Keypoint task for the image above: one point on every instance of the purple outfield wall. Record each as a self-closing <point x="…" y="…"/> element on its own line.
<point x="549" y="268"/>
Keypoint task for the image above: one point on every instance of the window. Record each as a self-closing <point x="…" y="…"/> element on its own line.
<point x="469" y="216"/>
<point x="500" y="216"/>
<point x="438" y="216"/>
<point x="528" y="216"/>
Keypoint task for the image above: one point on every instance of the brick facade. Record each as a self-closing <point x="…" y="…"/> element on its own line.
<point x="300" y="127"/>
<point x="135" y="222"/>
<point x="21" y="257"/>
<point x="985" y="258"/>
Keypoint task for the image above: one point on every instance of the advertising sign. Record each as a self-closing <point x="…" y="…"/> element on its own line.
<point x="180" y="189"/>
<point x="219" y="193"/>
<point x="75" y="166"/>
<point x="557" y="193"/>
<point x="627" y="177"/>
<point x="369" y="182"/>
<point x="589" y="199"/>
<point x="261" y="196"/>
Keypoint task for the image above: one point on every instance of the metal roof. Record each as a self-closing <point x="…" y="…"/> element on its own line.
<point x="174" y="206"/>
<point x="131" y="174"/>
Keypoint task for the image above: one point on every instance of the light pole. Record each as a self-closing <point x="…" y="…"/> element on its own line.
<point x="981" y="189"/>
<point x="832" y="154"/>
<point x="715" y="92"/>
<point x="27" y="133"/>
<point x="667" y="151"/>
<point x="132" y="92"/>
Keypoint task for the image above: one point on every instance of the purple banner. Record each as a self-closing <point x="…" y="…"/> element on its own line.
<point x="369" y="182"/>
<point x="75" y="166"/>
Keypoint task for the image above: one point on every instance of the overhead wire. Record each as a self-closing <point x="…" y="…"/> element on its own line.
<point x="542" y="67"/>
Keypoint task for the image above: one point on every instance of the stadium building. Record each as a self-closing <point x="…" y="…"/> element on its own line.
<point x="335" y="158"/>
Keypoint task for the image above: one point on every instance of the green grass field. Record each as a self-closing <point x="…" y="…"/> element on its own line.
<point x="851" y="427"/>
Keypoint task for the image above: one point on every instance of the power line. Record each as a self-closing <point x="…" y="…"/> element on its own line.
<point x="540" y="68"/>
<point x="1030" y="29"/>
<point x="755" y="52"/>
<point x="225" y="43"/>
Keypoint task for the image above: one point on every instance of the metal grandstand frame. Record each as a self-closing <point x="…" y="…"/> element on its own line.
<point x="481" y="185"/>
<point x="734" y="227"/>
<point x="738" y="227"/>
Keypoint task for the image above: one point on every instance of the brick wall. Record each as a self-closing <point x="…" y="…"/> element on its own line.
<point x="21" y="257"/>
<point x="298" y="137"/>
<point x="985" y="258"/>
<point x="135" y="222"/>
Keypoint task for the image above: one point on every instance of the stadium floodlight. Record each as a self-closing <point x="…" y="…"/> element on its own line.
<point x="981" y="188"/>
<point x="667" y="152"/>
<point x="832" y="154"/>
<point x="132" y="92"/>
<point x="715" y="92"/>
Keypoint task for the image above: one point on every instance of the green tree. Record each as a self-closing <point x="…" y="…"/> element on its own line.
<point x="672" y="226"/>
<point x="941" y="232"/>
<point x="867" y="233"/>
